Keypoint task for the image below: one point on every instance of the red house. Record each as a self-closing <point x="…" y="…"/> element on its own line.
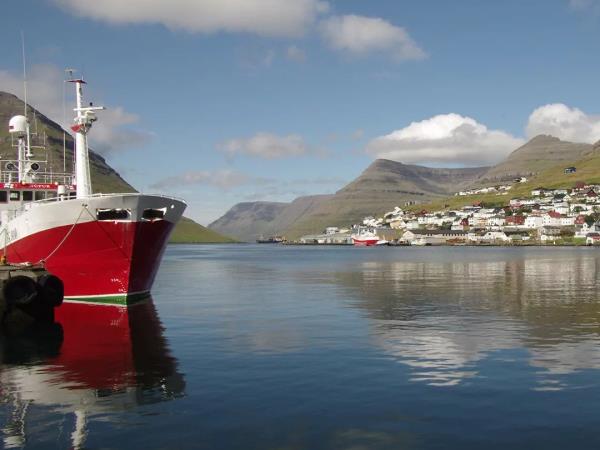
<point x="515" y="220"/>
<point x="555" y="215"/>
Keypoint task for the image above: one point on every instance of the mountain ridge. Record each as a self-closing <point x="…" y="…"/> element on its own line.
<point x="385" y="184"/>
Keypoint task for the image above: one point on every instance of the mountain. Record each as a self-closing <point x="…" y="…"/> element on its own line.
<point x="189" y="232"/>
<point x="383" y="185"/>
<point x="251" y="220"/>
<point x="540" y="153"/>
<point x="386" y="184"/>
<point x="104" y="177"/>
<point x="586" y="162"/>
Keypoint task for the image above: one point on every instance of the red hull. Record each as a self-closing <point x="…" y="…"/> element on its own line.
<point x="365" y="243"/>
<point x="98" y="261"/>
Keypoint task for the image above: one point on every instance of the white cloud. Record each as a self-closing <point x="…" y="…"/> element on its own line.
<point x="445" y="139"/>
<point x="582" y="5"/>
<point x="266" y="146"/>
<point x="44" y="92"/>
<point x="263" y="17"/>
<point x="361" y="35"/>
<point x="296" y="54"/>
<point x="563" y="122"/>
<point x="223" y="179"/>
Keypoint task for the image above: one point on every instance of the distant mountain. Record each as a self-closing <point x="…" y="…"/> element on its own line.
<point x="383" y="185"/>
<point x="540" y="153"/>
<point x="104" y="177"/>
<point x="252" y="220"/>
<point x="386" y="184"/>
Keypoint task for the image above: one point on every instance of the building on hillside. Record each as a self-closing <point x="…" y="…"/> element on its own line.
<point x="549" y="233"/>
<point x="592" y="239"/>
<point x="517" y="235"/>
<point x="539" y="191"/>
<point x="433" y="237"/>
<point x="494" y="236"/>
<point x="515" y="221"/>
<point x="327" y="239"/>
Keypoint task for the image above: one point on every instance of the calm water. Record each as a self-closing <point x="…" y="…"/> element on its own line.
<point x="268" y="347"/>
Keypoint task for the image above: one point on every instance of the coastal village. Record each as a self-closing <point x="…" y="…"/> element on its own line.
<point x="544" y="217"/>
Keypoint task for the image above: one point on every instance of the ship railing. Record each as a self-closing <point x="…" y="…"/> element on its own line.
<point x="12" y="176"/>
<point x="14" y="212"/>
<point x="100" y="194"/>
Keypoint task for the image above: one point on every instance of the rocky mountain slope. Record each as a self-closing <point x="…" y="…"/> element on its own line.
<point x="104" y="177"/>
<point x="383" y="185"/>
<point x="249" y="221"/>
<point x="540" y="153"/>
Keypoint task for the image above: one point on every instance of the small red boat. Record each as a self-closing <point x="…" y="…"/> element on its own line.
<point x="365" y="239"/>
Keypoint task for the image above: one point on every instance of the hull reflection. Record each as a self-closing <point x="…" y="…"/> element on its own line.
<point x="94" y="359"/>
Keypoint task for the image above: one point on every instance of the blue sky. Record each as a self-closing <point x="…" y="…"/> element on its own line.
<point x="239" y="100"/>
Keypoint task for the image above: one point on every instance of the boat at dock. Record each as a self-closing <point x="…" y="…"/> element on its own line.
<point x="105" y="247"/>
<point x="365" y="238"/>
<point x="270" y="240"/>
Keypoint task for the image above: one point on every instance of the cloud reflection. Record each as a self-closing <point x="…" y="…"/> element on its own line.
<point x="444" y="318"/>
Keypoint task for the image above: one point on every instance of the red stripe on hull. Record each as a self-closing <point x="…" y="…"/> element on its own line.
<point x="366" y="243"/>
<point x="98" y="258"/>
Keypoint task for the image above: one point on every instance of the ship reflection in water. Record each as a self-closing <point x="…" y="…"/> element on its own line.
<point x="94" y="360"/>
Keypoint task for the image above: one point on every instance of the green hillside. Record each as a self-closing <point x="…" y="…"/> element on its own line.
<point x="189" y="232"/>
<point x="588" y="171"/>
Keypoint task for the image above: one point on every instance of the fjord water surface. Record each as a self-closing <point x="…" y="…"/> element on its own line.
<point x="274" y="347"/>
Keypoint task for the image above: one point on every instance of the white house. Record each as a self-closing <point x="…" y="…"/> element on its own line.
<point x="533" y="222"/>
<point x="490" y="236"/>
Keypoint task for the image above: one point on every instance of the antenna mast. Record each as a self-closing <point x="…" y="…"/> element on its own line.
<point x="86" y="116"/>
<point x="24" y="73"/>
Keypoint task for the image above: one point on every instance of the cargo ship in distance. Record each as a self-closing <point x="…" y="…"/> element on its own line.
<point x="106" y="248"/>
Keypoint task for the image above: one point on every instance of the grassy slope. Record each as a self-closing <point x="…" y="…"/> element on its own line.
<point x="588" y="170"/>
<point x="189" y="232"/>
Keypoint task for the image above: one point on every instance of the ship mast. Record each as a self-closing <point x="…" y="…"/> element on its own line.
<point x="83" y="122"/>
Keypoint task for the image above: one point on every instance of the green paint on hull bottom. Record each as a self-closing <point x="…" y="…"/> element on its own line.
<point x="113" y="299"/>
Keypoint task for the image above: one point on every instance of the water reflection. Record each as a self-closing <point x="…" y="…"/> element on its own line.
<point x="94" y="360"/>
<point x="442" y="318"/>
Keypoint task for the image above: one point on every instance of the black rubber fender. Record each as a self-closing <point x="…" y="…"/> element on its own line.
<point x="20" y="290"/>
<point x="52" y="289"/>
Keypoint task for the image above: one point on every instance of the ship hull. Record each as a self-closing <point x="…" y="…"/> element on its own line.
<point x="364" y="242"/>
<point x="99" y="261"/>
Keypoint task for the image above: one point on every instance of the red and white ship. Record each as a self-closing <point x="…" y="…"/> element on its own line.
<point x="365" y="238"/>
<point x="106" y="248"/>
